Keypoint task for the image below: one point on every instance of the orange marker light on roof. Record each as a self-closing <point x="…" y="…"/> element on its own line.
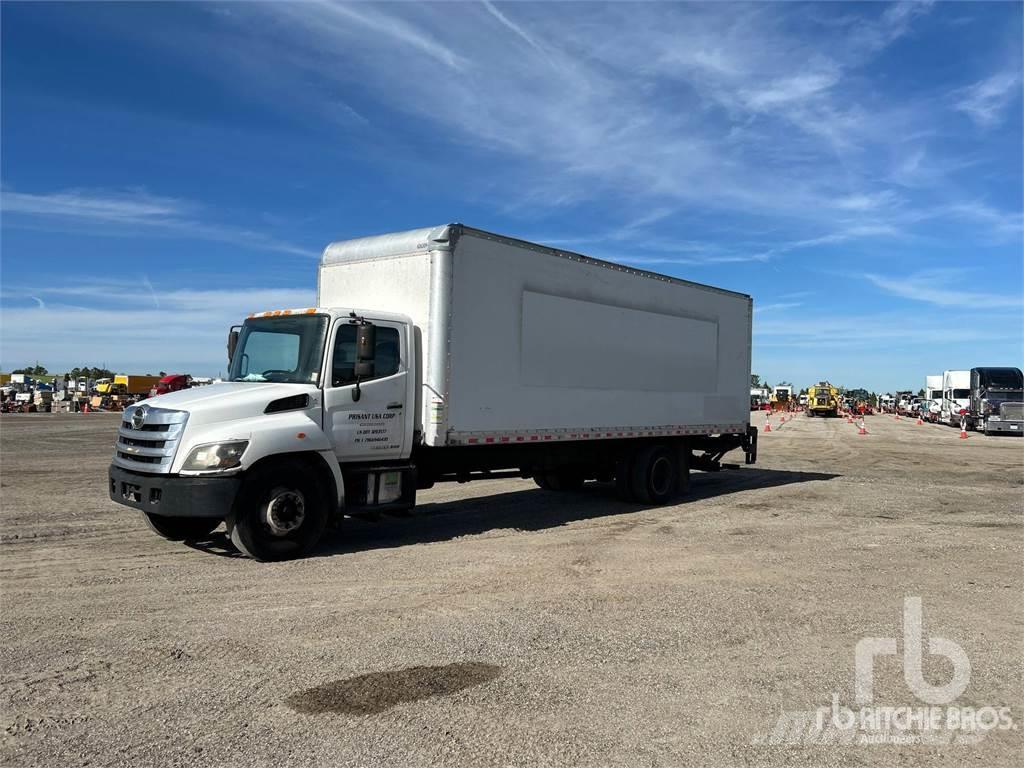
<point x="311" y="311"/>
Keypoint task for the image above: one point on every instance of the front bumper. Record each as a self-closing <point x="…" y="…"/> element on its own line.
<point x="1009" y="427"/>
<point x="173" y="495"/>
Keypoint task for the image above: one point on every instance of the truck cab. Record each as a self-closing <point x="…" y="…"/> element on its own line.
<point x="956" y="397"/>
<point x="306" y="387"/>
<point x="822" y="400"/>
<point x="996" y="400"/>
<point x="933" y="397"/>
<point x="171" y="383"/>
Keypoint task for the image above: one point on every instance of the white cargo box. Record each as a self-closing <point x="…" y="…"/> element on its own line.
<point x="527" y="343"/>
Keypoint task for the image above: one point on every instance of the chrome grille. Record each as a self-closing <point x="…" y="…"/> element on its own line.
<point x="1012" y="411"/>
<point x="149" y="447"/>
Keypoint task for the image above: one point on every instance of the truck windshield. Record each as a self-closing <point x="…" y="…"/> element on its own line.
<point x="281" y="349"/>
<point x="1001" y="378"/>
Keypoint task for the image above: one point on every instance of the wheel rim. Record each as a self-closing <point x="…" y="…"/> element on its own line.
<point x="661" y="475"/>
<point x="284" y="512"/>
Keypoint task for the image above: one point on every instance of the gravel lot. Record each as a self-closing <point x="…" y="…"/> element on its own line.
<point x="505" y="625"/>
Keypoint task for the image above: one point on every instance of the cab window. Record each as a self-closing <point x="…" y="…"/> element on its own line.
<point x="386" y="360"/>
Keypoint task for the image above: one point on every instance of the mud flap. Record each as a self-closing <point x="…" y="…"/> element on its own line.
<point x="750" y="445"/>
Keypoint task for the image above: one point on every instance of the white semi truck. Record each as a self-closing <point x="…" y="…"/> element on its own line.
<point x="933" y="396"/>
<point x="444" y="354"/>
<point x="956" y="397"/>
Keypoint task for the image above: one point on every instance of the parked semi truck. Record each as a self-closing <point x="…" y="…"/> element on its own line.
<point x="933" y="397"/>
<point x="822" y="400"/>
<point x="996" y="401"/>
<point x="444" y="354"/>
<point x="956" y="397"/>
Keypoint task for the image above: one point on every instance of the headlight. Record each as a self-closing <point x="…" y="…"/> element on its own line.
<point x="214" y="456"/>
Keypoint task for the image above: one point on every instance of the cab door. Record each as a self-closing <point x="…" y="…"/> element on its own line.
<point x="377" y="426"/>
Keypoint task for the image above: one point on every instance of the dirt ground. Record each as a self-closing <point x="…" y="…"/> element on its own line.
<point x="506" y="625"/>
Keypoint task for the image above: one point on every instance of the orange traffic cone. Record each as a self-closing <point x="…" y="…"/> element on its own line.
<point x="862" y="430"/>
<point x="963" y="432"/>
<point x="897" y="417"/>
<point x="849" y="418"/>
<point x="85" y="407"/>
<point x="767" y="427"/>
<point x="920" y="421"/>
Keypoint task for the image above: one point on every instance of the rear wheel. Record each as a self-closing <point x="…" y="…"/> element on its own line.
<point x="181" y="528"/>
<point x="655" y="475"/>
<point x="279" y="514"/>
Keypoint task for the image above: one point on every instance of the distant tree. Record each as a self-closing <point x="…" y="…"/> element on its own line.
<point x="32" y="370"/>
<point x="91" y="373"/>
<point x="755" y="380"/>
<point x="920" y="392"/>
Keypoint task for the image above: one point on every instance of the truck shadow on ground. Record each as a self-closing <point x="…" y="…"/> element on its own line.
<point x="529" y="509"/>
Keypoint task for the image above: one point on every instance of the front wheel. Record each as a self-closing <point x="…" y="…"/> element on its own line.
<point x="279" y="514"/>
<point x="181" y="528"/>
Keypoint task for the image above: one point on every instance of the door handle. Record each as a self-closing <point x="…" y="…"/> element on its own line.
<point x="394" y="406"/>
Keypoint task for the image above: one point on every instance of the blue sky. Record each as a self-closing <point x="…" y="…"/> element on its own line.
<point x="168" y="168"/>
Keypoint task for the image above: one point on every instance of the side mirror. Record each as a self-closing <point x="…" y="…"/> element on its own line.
<point x="366" y="351"/>
<point x="232" y="341"/>
<point x="366" y="342"/>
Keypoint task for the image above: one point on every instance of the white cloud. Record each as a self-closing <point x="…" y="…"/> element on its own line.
<point x="116" y="324"/>
<point x="133" y="207"/>
<point x="131" y="211"/>
<point x="867" y="202"/>
<point x="787" y="90"/>
<point x="623" y="100"/>
<point x="985" y="101"/>
<point x="515" y="28"/>
<point x="777" y="307"/>
<point x="944" y="288"/>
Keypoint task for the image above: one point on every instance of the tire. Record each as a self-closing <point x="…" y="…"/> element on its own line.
<point x="655" y="475"/>
<point x="181" y="528"/>
<point x="280" y="512"/>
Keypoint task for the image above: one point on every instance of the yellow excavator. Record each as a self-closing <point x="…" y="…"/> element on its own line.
<point x="822" y="400"/>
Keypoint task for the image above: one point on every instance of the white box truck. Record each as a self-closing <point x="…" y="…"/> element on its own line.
<point x="444" y="354"/>
<point x="956" y="397"/>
